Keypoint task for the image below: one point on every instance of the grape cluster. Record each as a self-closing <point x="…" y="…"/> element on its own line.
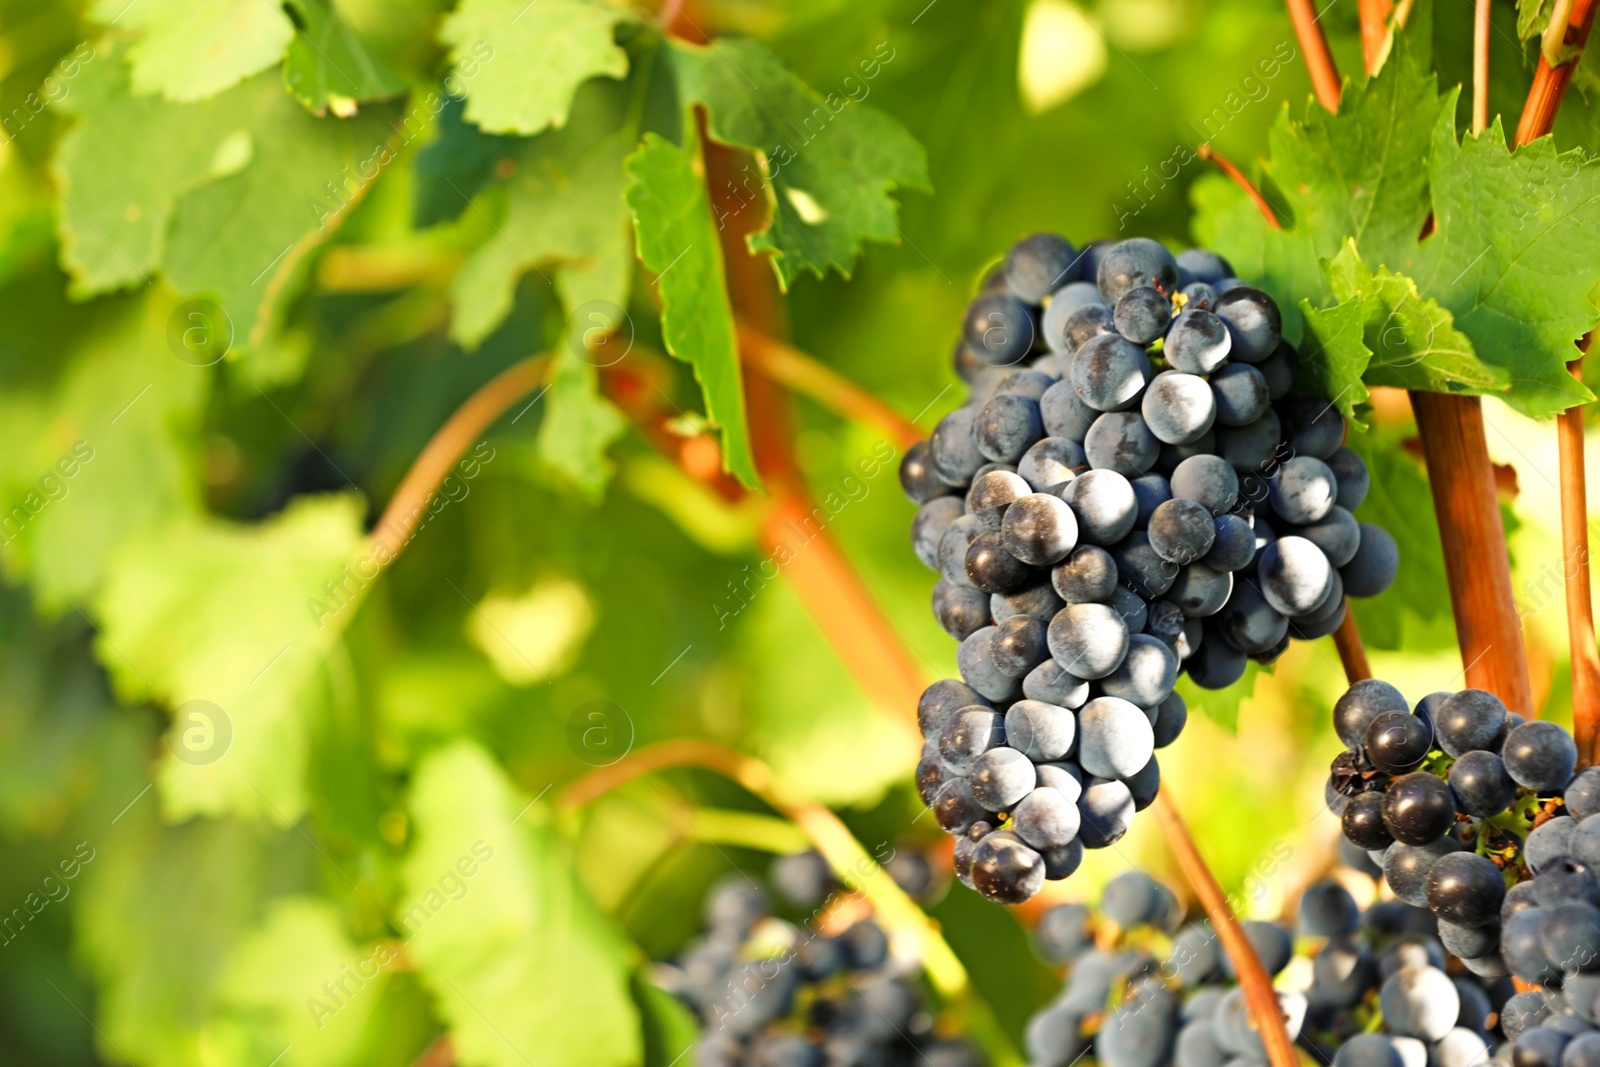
<point x="770" y="993"/>
<point x="1459" y="798"/>
<point x="1367" y="988"/>
<point x="1130" y="493"/>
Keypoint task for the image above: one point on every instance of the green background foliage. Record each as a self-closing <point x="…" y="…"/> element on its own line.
<point x="253" y="256"/>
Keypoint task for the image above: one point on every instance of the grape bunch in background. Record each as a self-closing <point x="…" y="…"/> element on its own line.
<point x="1482" y="817"/>
<point x="1131" y="492"/>
<point x="773" y="993"/>
<point x="1365" y="988"/>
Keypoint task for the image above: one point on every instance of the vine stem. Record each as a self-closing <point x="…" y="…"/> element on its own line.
<point x="1314" y="46"/>
<point x="1480" y="65"/>
<point x="1550" y="81"/>
<point x="847" y="857"/>
<point x="1352" y="652"/>
<point x="1477" y="565"/>
<point x="1538" y="116"/>
<point x="1227" y="167"/>
<point x="1253" y="977"/>
<point x="464" y="426"/>
<point x="1374" y="16"/>
<point x="802" y="374"/>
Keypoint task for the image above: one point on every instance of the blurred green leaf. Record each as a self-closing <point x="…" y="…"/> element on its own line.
<point x="672" y="218"/>
<point x="563" y="208"/>
<point x="832" y="161"/>
<point x="520" y="960"/>
<point x="240" y="616"/>
<point x="226" y="197"/>
<point x="1401" y="502"/>
<point x="299" y="982"/>
<point x="1221" y="706"/>
<point x="328" y="67"/>
<point x="579" y="426"/>
<point x="193" y="49"/>
<point x="530" y="57"/>
<point x="160" y="912"/>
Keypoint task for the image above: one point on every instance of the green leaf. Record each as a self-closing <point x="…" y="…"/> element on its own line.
<point x="563" y="207"/>
<point x="451" y="169"/>
<point x="328" y="68"/>
<point x="1334" y="356"/>
<point x="531" y="56"/>
<point x="502" y="932"/>
<point x="678" y="242"/>
<point x="193" y="49"/>
<point x="157" y="965"/>
<point x="1354" y="174"/>
<point x="299" y="982"/>
<point x="1281" y="263"/>
<point x="114" y="463"/>
<point x="227" y="196"/>
<point x="1513" y="256"/>
<point x="1413" y="342"/>
<point x="831" y="162"/>
<point x="579" y="425"/>
<point x="1401" y="502"/>
<point x="242" y="617"/>
<point x="1532" y="17"/>
<point x="1221" y="706"/>
<point x="670" y="1029"/>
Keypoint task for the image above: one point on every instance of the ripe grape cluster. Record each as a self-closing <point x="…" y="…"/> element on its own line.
<point x="1130" y="493"/>
<point x="771" y="993"/>
<point x="1459" y="799"/>
<point x="1365" y="989"/>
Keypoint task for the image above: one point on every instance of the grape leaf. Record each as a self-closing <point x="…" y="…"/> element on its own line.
<point x="157" y="965"/>
<point x="115" y="463"/>
<point x="227" y="195"/>
<point x="831" y="162"/>
<point x="1354" y="174"/>
<point x="241" y="237"/>
<point x="1413" y="342"/>
<point x="1513" y="256"/>
<point x="241" y="616"/>
<point x="451" y="169"/>
<point x="678" y="242"/>
<point x="121" y="165"/>
<point x="328" y="68"/>
<point x="1334" y="356"/>
<point x="1281" y="263"/>
<point x="513" y="964"/>
<point x="579" y="426"/>
<point x="1221" y="706"/>
<point x="192" y="49"/>
<point x="1401" y="502"/>
<point x="531" y="57"/>
<point x="1532" y="17"/>
<point x="273" y="994"/>
<point x="563" y="206"/>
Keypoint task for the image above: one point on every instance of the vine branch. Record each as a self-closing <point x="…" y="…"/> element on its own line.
<point x="1253" y="977"/>
<point x="464" y="426"/>
<point x="1227" y="167"/>
<point x="1314" y="47"/>
<point x="802" y="374"/>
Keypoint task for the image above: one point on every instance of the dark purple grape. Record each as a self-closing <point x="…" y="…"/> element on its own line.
<point x="1418" y="808"/>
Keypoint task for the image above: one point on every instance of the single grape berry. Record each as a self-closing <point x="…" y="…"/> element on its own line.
<point x="1397" y="742"/>
<point x="1363" y="822"/>
<point x="1467" y="889"/>
<point x="1418" y="808"/>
